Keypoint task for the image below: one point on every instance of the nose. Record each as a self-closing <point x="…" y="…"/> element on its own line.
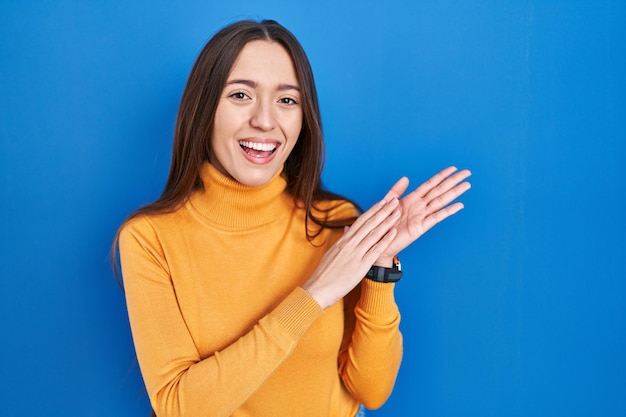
<point x="263" y="117"/>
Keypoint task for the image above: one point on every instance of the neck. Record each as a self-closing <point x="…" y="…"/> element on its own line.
<point x="230" y="204"/>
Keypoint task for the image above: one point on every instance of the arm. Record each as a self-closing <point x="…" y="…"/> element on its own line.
<point x="372" y="346"/>
<point x="371" y="350"/>
<point x="178" y="380"/>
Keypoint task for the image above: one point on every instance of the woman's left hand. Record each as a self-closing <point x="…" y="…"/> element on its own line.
<point x="425" y="207"/>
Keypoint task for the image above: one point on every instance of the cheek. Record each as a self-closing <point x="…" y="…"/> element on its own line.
<point x="294" y="133"/>
<point x="221" y="122"/>
<point x="225" y="125"/>
<point x="295" y="127"/>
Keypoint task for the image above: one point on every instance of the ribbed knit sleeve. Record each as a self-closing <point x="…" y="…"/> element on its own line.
<point x="372" y="347"/>
<point x="179" y="381"/>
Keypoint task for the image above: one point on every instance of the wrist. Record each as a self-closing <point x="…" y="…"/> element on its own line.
<point x="385" y="262"/>
<point x="380" y="273"/>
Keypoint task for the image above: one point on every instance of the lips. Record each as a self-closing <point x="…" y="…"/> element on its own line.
<point x="258" y="146"/>
<point x="258" y="152"/>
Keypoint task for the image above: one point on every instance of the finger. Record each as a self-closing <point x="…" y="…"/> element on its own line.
<point x="368" y="214"/>
<point x="425" y="188"/>
<point x="376" y="214"/>
<point x="446" y="198"/>
<point x="398" y="189"/>
<point x="367" y="239"/>
<point x="441" y="215"/>
<point x="379" y="247"/>
<point x="447" y="184"/>
<point x="372" y="230"/>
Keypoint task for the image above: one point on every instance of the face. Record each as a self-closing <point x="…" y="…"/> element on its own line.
<point x="259" y="116"/>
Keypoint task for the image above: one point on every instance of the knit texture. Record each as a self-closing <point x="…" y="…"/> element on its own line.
<point x="221" y="325"/>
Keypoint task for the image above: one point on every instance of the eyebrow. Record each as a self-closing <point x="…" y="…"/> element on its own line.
<point x="253" y="84"/>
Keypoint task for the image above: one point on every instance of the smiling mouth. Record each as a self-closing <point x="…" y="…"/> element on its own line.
<point x="257" y="149"/>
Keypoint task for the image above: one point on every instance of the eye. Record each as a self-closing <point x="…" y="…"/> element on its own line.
<point x="239" y="96"/>
<point x="288" y="101"/>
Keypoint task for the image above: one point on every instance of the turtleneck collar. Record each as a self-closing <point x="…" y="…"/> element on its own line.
<point x="232" y="205"/>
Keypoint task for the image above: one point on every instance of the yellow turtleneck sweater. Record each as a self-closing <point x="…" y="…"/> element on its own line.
<point x="221" y="325"/>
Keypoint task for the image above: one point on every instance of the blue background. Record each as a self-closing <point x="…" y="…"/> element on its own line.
<point x="514" y="307"/>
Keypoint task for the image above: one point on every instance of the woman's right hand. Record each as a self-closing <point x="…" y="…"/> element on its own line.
<point x="349" y="259"/>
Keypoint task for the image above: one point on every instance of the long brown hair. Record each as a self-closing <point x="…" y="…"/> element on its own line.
<point x="192" y="141"/>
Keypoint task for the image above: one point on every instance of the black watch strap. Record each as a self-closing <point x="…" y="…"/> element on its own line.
<point x="382" y="274"/>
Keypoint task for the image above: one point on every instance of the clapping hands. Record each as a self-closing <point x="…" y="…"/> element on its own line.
<point x="384" y="230"/>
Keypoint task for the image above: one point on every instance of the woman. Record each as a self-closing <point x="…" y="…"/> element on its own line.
<point x="246" y="281"/>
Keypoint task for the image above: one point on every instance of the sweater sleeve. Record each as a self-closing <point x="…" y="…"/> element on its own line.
<point x="180" y="382"/>
<point x="371" y="350"/>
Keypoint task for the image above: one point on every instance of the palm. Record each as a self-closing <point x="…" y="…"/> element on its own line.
<point x="426" y="206"/>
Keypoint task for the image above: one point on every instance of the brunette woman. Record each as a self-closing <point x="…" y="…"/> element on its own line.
<point x="252" y="290"/>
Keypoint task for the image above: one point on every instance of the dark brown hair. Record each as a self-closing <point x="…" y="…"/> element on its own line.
<point x="192" y="141"/>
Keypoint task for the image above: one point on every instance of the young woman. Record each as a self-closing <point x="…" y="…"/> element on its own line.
<point x="251" y="290"/>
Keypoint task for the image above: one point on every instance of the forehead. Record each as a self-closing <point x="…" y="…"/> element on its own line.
<point x="264" y="61"/>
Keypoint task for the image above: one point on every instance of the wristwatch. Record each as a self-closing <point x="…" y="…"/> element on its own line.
<point x="382" y="274"/>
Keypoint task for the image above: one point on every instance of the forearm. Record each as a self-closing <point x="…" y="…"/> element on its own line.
<point x="180" y="383"/>
<point x="370" y="363"/>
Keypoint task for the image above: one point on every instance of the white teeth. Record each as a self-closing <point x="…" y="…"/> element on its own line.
<point x="265" y="147"/>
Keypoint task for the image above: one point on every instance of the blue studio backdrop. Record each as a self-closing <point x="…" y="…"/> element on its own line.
<point x="514" y="307"/>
